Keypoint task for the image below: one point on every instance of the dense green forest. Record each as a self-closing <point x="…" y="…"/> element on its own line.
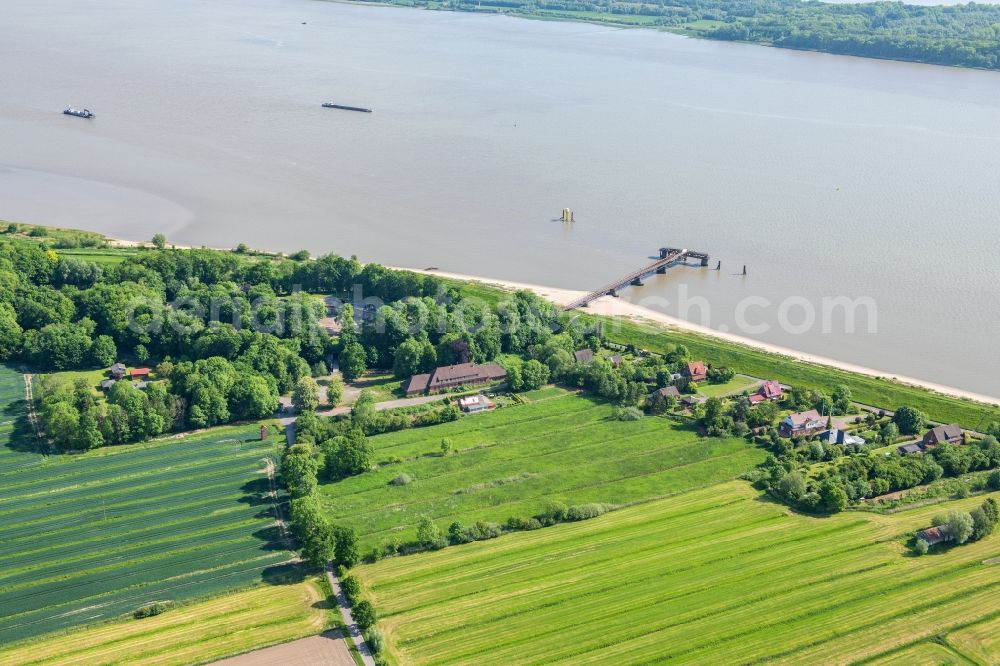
<point x="227" y="333"/>
<point x="964" y="35"/>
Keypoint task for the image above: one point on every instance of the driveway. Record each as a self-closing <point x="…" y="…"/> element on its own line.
<point x="379" y="406"/>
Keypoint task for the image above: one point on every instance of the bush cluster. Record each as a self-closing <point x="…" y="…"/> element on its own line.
<point x="152" y="609"/>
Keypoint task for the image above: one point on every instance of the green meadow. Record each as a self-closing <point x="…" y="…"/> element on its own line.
<point x="718" y="575"/>
<point x="88" y="537"/>
<point x="559" y="447"/>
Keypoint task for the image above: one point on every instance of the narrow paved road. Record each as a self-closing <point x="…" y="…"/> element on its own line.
<point x="388" y="404"/>
<point x="345" y="613"/>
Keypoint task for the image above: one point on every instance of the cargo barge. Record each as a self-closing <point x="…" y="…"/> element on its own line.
<point x="331" y="105"/>
<point x="79" y="113"/>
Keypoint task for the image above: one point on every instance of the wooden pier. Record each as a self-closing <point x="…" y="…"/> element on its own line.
<point x="668" y="257"/>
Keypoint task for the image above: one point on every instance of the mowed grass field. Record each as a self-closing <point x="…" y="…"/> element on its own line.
<point x="510" y="462"/>
<point x="191" y="634"/>
<point x="87" y="537"/>
<point x="718" y="575"/>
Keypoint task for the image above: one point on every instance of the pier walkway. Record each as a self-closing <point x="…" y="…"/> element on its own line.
<point x="668" y="256"/>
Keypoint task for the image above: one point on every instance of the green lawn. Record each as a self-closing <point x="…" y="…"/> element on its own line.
<point x="512" y="461"/>
<point x="88" y="537"/>
<point x="737" y="384"/>
<point x="718" y="575"/>
<point x="103" y="256"/>
<point x="383" y="387"/>
<point x="590" y="16"/>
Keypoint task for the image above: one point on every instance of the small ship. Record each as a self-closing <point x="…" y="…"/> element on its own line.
<point x="79" y="113"/>
<point x="331" y="105"/>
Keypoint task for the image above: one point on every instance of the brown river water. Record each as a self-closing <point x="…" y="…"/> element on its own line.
<point x="828" y="177"/>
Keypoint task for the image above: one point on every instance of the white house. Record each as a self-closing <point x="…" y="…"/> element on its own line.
<point x="474" y="403"/>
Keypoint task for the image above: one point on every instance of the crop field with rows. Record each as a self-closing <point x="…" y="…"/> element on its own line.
<point x="719" y="575"/>
<point x="510" y="462"/>
<point x="194" y="633"/>
<point x="88" y="537"/>
<point x="17" y="440"/>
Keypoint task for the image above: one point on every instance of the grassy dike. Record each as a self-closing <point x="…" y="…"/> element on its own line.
<point x="879" y="392"/>
<point x="884" y="393"/>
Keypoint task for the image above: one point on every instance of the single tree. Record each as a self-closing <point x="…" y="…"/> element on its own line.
<point x="334" y="391"/>
<point x="792" y="486"/>
<point x="347" y="547"/>
<point x="103" y="352"/>
<point x="959" y="524"/>
<point x="910" y="421"/>
<point x="353" y="361"/>
<point x="833" y="496"/>
<point x="533" y="375"/>
<point x="428" y="534"/>
<point x="305" y="397"/>
<point x="299" y="468"/>
<point x="364" y="614"/>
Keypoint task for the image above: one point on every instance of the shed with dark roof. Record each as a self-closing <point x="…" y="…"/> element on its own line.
<point x="943" y="434"/>
<point x="416" y="384"/>
<point x="666" y="392"/>
<point x="935" y="535"/>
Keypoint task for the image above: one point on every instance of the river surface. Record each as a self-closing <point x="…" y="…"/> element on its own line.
<point x="826" y="176"/>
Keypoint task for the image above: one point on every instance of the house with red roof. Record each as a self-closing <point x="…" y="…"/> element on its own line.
<point x="935" y="535"/>
<point x="802" y="424"/>
<point x="768" y="391"/>
<point x="696" y="371"/>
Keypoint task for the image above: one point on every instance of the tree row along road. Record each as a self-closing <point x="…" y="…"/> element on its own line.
<point x="345" y="613"/>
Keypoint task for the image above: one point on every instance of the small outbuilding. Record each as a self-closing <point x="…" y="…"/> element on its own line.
<point x="584" y="356"/>
<point x="935" y="535"/>
<point x="474" y="403"/>
<point x="416" y="384"/>
<point x="907" y="449"/>
<point x="139" y="373"/>
<point x="837" y="436"/>
<point x="107" y="384"/>
<point x="118" y="371"/>
<point x="692" y="401"/>
<point x="666" y="392"/>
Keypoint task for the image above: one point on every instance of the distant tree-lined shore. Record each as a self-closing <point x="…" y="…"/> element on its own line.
<point x="960" y="35"/>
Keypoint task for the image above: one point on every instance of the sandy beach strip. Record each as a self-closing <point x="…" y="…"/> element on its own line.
<point x="615" y="307"/>
<point x="610" y="306"/>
